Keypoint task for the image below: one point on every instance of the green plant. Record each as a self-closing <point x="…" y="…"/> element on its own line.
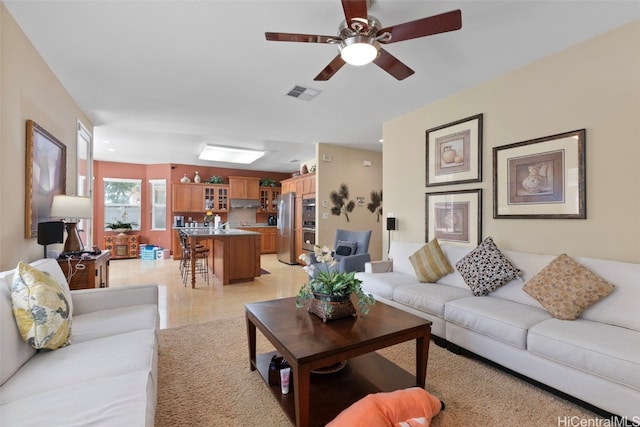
<point x="216" y="179"/>
<point x="120" y="225"/>
<point x="268" y="182"/>
<point x="325" y="279"/>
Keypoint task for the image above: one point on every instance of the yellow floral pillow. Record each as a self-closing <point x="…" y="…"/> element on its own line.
<point x="565" y="288"/>
<point x="40" y="308"/>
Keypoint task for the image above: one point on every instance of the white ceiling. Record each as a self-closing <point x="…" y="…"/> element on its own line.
<point x="159" y="79"/>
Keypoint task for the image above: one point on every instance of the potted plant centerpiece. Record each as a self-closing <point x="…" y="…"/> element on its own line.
<point x="328" y="291"/>
<point x="121" y="226"/>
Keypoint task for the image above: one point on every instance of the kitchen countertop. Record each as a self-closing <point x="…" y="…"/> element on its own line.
<point x="205" y="231"/>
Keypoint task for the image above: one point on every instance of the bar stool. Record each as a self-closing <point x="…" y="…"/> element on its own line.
<point x="201" y="255"/>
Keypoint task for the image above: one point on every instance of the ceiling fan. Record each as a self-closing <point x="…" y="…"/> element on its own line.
<point x="360" y="35"/>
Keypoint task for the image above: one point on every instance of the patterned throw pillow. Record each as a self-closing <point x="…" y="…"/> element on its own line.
<point x="430" y="263"/>
<point x="565" y="288"/>
<point x="40" y="308"/>
<point x="485" y="268"/>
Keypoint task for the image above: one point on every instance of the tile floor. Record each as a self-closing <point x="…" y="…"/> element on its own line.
<point x="180" y="305"/>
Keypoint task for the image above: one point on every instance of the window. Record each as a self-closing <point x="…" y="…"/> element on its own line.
<point x="158" y="204"/>
<point x="122" y="201"/>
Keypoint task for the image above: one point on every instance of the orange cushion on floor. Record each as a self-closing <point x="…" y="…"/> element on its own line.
<point x="410" y="407"/>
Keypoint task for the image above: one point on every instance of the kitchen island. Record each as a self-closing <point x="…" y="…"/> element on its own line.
<point x="235" y="253"/>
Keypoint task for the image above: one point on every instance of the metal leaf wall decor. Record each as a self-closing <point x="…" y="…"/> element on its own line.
<point x="341" y="202"/>
<point x="375" y="206"/>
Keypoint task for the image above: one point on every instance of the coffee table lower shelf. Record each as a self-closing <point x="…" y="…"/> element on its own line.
<point x="332" y="393"/>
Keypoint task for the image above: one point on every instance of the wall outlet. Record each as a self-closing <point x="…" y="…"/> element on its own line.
<point x="325" y="215"/>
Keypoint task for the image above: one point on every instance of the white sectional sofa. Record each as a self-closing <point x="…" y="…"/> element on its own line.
<point x="107" y="376"/>
<point x="594" y="358"/>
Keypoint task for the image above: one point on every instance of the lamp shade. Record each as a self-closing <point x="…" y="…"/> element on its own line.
<point x="71" y="207"/>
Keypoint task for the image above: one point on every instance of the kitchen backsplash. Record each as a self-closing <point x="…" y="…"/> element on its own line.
<point x="242" y="216"/>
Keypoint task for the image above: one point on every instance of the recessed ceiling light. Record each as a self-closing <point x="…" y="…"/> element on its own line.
<point x="218" y="153"/>
<point x="105" y="141"/>
<point x="111" y="149"/>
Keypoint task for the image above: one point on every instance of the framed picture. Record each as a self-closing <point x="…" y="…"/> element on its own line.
<point x="454" y="152"/>
<point x="541" y="178"/>
<point x="454" y="217"/>
<point x="46" y="168"/>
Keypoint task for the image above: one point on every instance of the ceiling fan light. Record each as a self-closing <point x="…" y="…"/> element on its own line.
<point x="359" y="50"/>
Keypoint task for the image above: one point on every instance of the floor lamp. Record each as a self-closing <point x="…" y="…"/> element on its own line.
<point x="71" y="209"/>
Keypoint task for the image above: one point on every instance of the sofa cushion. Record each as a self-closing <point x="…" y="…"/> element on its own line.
<point x="400" y="252"/>
<point x="565" y="288"/>
<point x="607" y="351"/>
<point x="430" y="299"/>
<point x="502" y="320"/>
<point x="103" y="323"/>
<point x="383" y="284"/>
<point x="485" y="268"/>
<point x="14" y="352"/>
<point x="429" y="263"/>
<point x="122" y="400"/>
<point x="620" y="307"/>
<point x="85" y="361"/>
<point x="40" y="308"/>
<point x="454" y="253"/>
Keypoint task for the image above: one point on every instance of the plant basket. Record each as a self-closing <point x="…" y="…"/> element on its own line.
<point x="329" y="307"/>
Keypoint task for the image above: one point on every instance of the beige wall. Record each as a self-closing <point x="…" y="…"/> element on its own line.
<point x="28" y="90"/>
<point x="594" y="85"/>
<point x="346" y="166"/>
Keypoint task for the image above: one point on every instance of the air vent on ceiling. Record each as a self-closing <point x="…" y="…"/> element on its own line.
<point x="304" y="93"/>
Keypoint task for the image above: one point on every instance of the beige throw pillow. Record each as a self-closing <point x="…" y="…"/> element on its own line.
<point x="430" y="263"/>
<point x="565" y="288"/>
<point x="40" y="308"/>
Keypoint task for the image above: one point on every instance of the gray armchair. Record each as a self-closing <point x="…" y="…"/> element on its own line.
<point x="351" y="250"/>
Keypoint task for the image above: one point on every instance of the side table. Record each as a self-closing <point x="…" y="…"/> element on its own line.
<point x="87" y="273"/>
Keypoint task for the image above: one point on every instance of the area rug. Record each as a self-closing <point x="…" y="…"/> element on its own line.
<point x="204" y="380"/>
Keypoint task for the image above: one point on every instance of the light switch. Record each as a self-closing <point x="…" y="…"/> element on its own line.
<point x="325" y="215"/>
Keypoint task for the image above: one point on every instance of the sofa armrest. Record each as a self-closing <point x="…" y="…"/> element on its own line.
<point x="90" y="300"/>
<point x="385" y="266"/>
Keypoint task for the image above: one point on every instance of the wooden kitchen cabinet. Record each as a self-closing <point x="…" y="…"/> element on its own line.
<point x="188" y="198"/>
<point x="122" y="245"/>
<point x="269" y="244"/>
<point x="303" y="184"/>
<point x="87" y="273"/>
<point x="216" y="198"/>
<point x="269" y="199"/>
<point x="241" y="187"/>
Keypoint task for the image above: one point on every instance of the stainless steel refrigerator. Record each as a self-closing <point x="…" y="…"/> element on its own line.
<point x="285" y="224"/>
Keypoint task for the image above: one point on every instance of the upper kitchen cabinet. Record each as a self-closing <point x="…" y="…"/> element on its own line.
<point x="241" y="187"/>
<point x="303" y="184"/>
<point x="200" y="198"/>
<point x="216" y="198"/>
<point x="188" y="198"/>
<point x="269" y="199"/>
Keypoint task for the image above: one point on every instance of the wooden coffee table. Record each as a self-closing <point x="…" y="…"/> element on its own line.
<point x="309" y="344"/>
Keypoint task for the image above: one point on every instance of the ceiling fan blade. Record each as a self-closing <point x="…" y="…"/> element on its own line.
<point x="305" y="38"/>
<point x="330" y="69"/>
<point x="392" y="65"/>
<point x="355" y="9"/>
<point x="449" y="21"/>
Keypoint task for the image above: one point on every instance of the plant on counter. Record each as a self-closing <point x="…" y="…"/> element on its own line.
<point x="328" y="285"/>
<point x="208" y="217"/>
<point x="216" y="179"/>
<point x="121" y="225"/>
<point x="268" y="182"/>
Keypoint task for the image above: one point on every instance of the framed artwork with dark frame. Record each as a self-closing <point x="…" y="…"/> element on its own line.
<point x="454" y="217"/>
<point x="542" y="178"/>
<point x="46" y="169"/>
<point x="454" y="152"/>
